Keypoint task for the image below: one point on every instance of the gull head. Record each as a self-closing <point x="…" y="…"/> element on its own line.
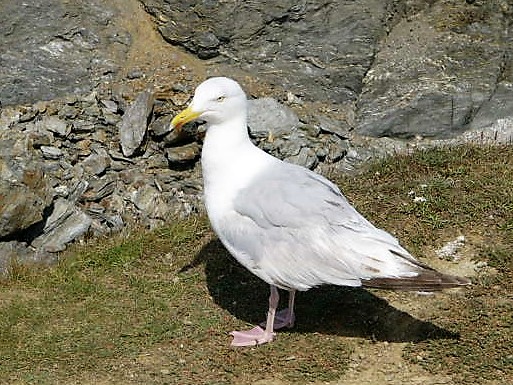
<point x="216" y="100"/>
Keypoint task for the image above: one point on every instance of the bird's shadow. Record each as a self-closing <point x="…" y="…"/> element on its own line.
<point x="352" y="312"/>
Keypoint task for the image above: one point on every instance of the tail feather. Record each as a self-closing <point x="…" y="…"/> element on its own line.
<point x="427" y="280"/>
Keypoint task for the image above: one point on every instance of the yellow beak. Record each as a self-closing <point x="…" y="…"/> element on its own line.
<point x="186" y="116"/>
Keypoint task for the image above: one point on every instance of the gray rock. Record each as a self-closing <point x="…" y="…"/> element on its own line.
<point x="9" y="116"/>
<point x="54" y="124"/>
<point x="337" y="149"/>
<point x="434" y="71"/>
<point x="131" y="176"/>
<point x="61" y="191"/>
<point x="414" y="68"/>
<point x="183" y="154"/>
<point x="149" y="202"/>
<point x="99" y="188"/>
<point x="135" y="74"/>
<point x="24" y="190"/>
<point x="51" y="152"/>
<point x="66" y="223"/>
<point x="77" y="189"/>
<point x="29" y="115"/>
<point x="207" y="45"/>
<point x="15" y="253"/>
<point x="499" y="106"/>
<point x="320" y="50"/>
<point x="157" y="161"/>
<point x="306" y="158"/>
<point x="175" y="137"/>
<point x="288" y="148"/>
<point x="10" y="253"/>
<point x="110" y="105"/>
<point x="40" y="40"/>
<point x="133" y="127"/>
<point x="161" y="126"/>
<point x="82" y="127"/>
<point x="40" y="138"/>
<point x="268" y="118"/>
<point x="332" y="126"/>
<point x="97" y="162"/>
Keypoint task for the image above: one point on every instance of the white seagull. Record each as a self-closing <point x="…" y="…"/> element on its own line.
<point x="288" y="225"/>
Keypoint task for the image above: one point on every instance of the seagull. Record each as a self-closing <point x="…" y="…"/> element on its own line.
<point x="286" y="224"/>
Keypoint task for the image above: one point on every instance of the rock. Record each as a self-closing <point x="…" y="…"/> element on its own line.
<point x="268" y="118"/>
<point x="8" y="116"/>
<point x="402" y="68"/>
<point x="10" y="252"/>
<point x="18" y="253"/>
<point x="337" y="149"/>
<point x="40" y="138"/>
<point x="306" y="158"/>
<point x="54" y="124"/>
<point x="333" y="126"/>
<point x="183" y="154"/>
<point x="41" y="38"/>
<point x="77" y="189"/>
<point x="287" y="148"/>
<point x="135" y="74"/>
<point x="348" y="68"/>
<point x="110" y="105"/>
<point x="499" y="106"/>
<point x="66" y="223"/>
<point x="99" y="188"/>
<point x="207" y="45"/>
<point x="188" y="132"/>
<point x="97" y="162"/>
<point x="434" y="72"/>
<point x="318" y="50"/>
<point x="61" y="191"/>
<point x="161" y="126"/>
<point x="82" y="126"/>
<point x="133" y="127"/>
<point x="51" y="152"/>
<point x="24" y="190"/>
<point x="157" y="161"/>
<point x="149" y="202"/>
<point x="28" y="115"/>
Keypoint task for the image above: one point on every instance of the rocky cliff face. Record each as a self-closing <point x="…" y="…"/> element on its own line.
<point x="52" y="48"/>
<point x="403" y="68"/>
<point x="88" y="89"/>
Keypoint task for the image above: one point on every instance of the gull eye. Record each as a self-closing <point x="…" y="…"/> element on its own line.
<point x="221" y="99"/>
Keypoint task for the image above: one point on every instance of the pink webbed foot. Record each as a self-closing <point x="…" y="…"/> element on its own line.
<point x="255" y="336"/>
<point x="283" y="319"/>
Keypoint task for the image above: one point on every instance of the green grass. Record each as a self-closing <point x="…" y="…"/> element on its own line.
<point x="154" y="307"/>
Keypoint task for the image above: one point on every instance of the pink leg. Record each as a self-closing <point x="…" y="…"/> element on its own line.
<point x="285" y="318"/>
<point x="257" y="335"/>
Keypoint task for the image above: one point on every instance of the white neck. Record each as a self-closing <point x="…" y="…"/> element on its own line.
<point x="229" y="161"/>
<point x="226" y="135"/>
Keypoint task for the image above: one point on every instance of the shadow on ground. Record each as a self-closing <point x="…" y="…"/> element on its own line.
<point x="344" y="311"/>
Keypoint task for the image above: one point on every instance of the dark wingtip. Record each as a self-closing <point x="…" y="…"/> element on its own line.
<point x="427" y="280"/>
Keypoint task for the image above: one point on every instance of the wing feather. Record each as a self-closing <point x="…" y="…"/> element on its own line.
<point x="294" y="229"/>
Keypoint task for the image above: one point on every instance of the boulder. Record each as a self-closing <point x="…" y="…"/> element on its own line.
<point x="134" y="125"/>
<point x="24" y="190"/>
<point x="435" y="71"/>
<point x="65" y="224"/>
<point x="268" y="118"/>
<point x="40" y="40"/>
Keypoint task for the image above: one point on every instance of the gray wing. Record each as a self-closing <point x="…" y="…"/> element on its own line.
<point x="294" y="229"/>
